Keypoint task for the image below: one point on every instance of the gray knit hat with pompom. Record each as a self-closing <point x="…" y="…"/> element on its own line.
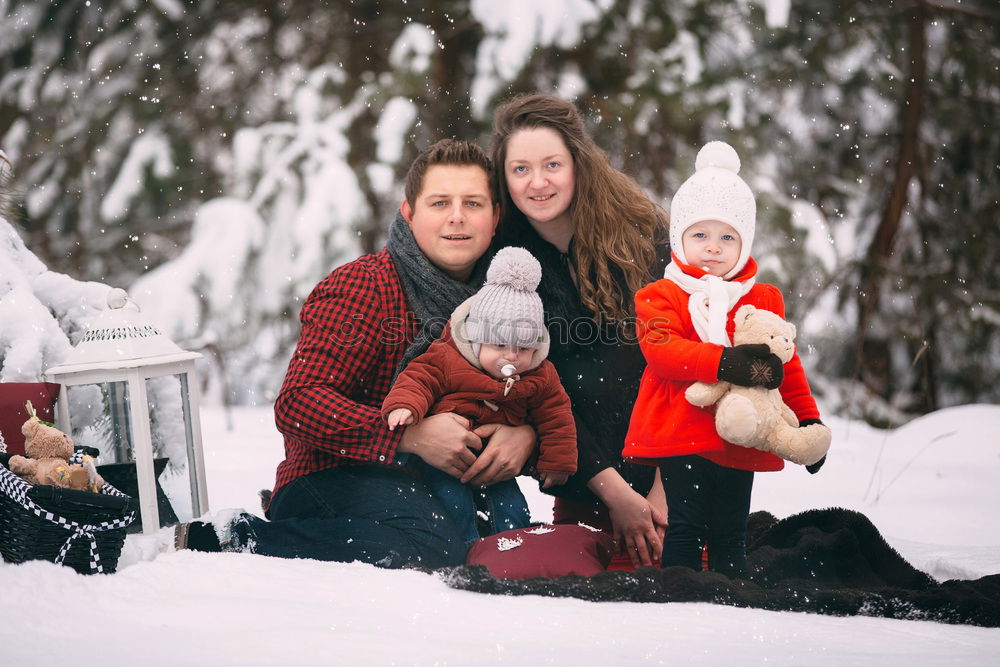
<point x="507" y="310"/>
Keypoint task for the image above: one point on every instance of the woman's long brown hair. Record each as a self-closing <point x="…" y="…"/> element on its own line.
<point x="612" y="217"/>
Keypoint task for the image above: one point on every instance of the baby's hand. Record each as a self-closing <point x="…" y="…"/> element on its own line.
<point x="552" y="479"/>
<point x="399" y="416"/>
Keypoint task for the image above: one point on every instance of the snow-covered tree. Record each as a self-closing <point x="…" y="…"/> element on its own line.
<point x="40" y="310"/>
<point x="223" y="156"/>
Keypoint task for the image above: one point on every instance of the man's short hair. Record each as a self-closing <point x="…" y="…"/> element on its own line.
<point x="447" y="152"/>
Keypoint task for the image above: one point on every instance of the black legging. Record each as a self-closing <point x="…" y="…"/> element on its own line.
<point x="707" y="504"/>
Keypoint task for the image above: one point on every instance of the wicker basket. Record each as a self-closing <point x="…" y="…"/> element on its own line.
<point x="123" y="477"/>
<point x="79" y="529"/>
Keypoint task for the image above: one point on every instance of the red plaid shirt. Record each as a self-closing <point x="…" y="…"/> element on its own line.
<point x="355" y="328"/>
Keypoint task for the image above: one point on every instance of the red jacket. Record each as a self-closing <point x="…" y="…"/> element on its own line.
<point x="442" y="380"/>
<point x="663" y="422"/>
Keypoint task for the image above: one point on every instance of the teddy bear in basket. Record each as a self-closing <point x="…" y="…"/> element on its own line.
<point x="49" y="451"/>
<point x="755" y="416"/>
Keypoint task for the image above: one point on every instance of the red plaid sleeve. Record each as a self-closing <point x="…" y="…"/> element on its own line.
<point x="355" y="328"/>
<point x="422" y="383"/>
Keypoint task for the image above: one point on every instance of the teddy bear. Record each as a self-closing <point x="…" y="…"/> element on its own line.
<point x="756" y="416"/>
<point x="49" y="450"/>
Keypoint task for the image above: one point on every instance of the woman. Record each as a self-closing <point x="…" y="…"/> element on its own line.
<point x="598" y="239"/>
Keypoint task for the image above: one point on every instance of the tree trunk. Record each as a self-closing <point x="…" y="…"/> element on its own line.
<point x="874" y="269"/>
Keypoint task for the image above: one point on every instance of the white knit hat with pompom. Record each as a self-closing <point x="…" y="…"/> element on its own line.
<point x="507" y="310"/>
<point x="715" y="192"/>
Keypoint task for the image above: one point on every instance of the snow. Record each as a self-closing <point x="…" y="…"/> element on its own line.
<point x="171" y="8"/>
<point x="38" y="308"/>
<point x="149" y="151"/>
<point x="396" y="120"/>
<point x="930" y="486"/>
<point x="207" y="275"/>
<point x="776" y="13"/>
<point x="808" y="218"/>
<point x="413" y="48"/>
<point x="514" y="29"/>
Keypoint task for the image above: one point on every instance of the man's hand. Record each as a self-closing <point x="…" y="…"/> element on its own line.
<point x="443" y="441"/>
<point x="505" y="454"/>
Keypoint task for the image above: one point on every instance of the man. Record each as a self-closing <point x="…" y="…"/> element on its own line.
<point x="344" y="491"/>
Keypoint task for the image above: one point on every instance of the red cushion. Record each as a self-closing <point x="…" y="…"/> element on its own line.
<point x="13" y="414"/>
<point x="543" y="551"/>
<point x="569" y="511"/>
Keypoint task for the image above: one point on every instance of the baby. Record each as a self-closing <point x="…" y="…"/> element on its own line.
<point x="490" y="366"/>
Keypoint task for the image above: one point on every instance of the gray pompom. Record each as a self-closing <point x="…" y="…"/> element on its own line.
<point x="515" y="268"/>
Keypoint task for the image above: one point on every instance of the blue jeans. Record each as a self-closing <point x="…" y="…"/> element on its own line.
<point x="707" y="504"/>
<point x="376" y="515"/>
<point x="500" y="507"/>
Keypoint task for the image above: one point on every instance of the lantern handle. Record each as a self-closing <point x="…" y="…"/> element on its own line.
<point x="119" y="298"/>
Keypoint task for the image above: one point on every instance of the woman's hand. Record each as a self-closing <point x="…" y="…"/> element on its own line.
<point x="637" y="523"/>
<point x="658" y="499"/>
<point x="503" y="458"/>
<point x="638" y="527"/>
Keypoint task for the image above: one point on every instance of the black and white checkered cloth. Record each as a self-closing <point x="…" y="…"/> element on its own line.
<point x="17" y="489"/>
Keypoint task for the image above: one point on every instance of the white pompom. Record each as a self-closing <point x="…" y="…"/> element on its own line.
<point x="516" y="268"/>
<point x="718" y="154"/>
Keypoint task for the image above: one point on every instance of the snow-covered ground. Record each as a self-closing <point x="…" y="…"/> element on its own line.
<point x="931" y="487"/>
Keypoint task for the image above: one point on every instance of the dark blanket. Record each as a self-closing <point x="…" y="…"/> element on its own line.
<point x="831" y="561"/>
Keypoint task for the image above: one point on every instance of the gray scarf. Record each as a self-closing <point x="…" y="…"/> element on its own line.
<point x="429" y="291"/>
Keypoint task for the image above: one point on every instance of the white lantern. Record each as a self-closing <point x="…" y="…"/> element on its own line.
<point x="138" y="395"/>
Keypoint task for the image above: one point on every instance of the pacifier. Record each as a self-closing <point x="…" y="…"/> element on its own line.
<point x="507" y="370"/>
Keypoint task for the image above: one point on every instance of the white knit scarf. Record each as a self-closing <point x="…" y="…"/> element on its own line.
<point x="710" y="302"/>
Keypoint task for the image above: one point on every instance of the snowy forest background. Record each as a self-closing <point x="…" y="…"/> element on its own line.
<point x="217" y="158"/>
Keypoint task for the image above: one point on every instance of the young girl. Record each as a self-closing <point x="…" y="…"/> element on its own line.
<point x="685" y="322"/>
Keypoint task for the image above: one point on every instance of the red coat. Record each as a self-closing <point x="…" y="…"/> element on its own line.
<point x="442" y="380"/>
<point x="663" y="422"/>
